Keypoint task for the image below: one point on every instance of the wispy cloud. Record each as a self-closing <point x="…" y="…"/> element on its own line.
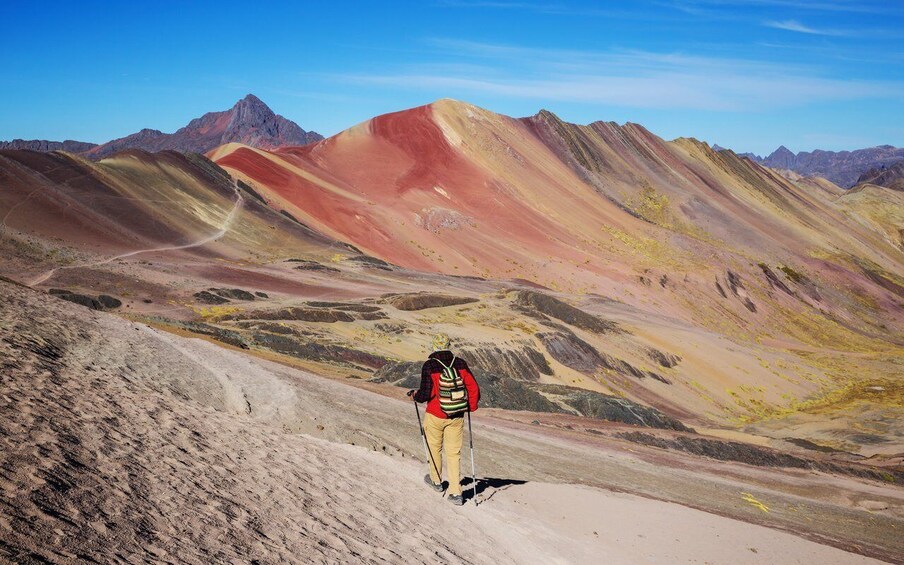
<point x="556" y="9"/>
<point x="491" y="4"/>
<point x="796" y="26"/>
<point x="664" y="91"/>
<point x="637" y="79"/>
<point x="544" y="58"/>
<point x="836" y="52"/>
<point x="855" y="6"/>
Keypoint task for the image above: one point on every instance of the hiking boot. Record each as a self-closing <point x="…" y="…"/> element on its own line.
<point x="457" y="499"/>
<point x="431" y="484"/>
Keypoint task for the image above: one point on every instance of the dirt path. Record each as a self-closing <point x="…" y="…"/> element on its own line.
<point x="836" y="510"/>
<point x="16" y="206"/>
<point x="118" y="441"/>
<point x="227" y="224"/>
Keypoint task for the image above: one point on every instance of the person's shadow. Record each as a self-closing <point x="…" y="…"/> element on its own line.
<point x="484" y="484"/>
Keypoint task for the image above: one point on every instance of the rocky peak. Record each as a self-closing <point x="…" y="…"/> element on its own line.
<point x="251" y="109"/>
<point x="782" y="151"/>
<point x="781" y="158"/>
<point x="251" y="101"/>
<point x="249" y="121"/>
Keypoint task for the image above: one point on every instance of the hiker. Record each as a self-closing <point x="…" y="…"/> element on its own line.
<point x="450" y="391"/>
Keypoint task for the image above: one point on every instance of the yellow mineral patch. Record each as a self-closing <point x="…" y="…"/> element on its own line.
<point x="749" y="498"/>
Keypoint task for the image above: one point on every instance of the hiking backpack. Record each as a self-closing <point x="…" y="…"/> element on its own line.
<point x="453" y="395"/>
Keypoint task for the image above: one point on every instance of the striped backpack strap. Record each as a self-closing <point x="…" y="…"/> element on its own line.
<point x="453" y="395"/>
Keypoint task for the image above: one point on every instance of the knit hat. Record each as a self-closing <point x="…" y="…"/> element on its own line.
<point x="441" y="342"/>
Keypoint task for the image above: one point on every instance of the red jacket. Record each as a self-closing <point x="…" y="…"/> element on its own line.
<point x="430" y="382"/>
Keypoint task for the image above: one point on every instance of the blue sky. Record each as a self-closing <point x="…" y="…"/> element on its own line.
<point x="747" y="74"/>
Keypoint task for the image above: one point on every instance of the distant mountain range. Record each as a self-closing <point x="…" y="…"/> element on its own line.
<point x="43" y="145"/>
<point x="843" y="168"/>
<point x="891" y="176"/>
<point x="249" y="121"/>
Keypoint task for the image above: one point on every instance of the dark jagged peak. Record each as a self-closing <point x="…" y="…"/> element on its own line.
<point x="250" y="122"/>
<point x="249" y="110"/>
<point x="254" y="123"/>
<point x="781" y="153"/>
<point x="252" y="101"/>
<point x="781" y="158"/>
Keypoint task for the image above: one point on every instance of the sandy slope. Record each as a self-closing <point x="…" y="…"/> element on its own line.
<point x="587" y="525"/>
<point x="121" y="442"/>
<point x="104" y="456"/>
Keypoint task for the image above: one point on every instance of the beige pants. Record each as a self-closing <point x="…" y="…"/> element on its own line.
<point x="445" y="434"/>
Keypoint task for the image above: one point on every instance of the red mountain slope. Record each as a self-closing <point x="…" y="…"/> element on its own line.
<point x="600" y="208"/>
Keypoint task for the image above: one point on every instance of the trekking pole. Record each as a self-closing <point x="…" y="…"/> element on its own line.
<point x="471" y="449"/>
<point x="426" y="448"/>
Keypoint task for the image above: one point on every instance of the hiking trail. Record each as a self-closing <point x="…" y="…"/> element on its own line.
<point x="227" y="224"/>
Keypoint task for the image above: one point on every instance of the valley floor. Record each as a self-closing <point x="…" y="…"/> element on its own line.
<point x="119" y="442"/>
